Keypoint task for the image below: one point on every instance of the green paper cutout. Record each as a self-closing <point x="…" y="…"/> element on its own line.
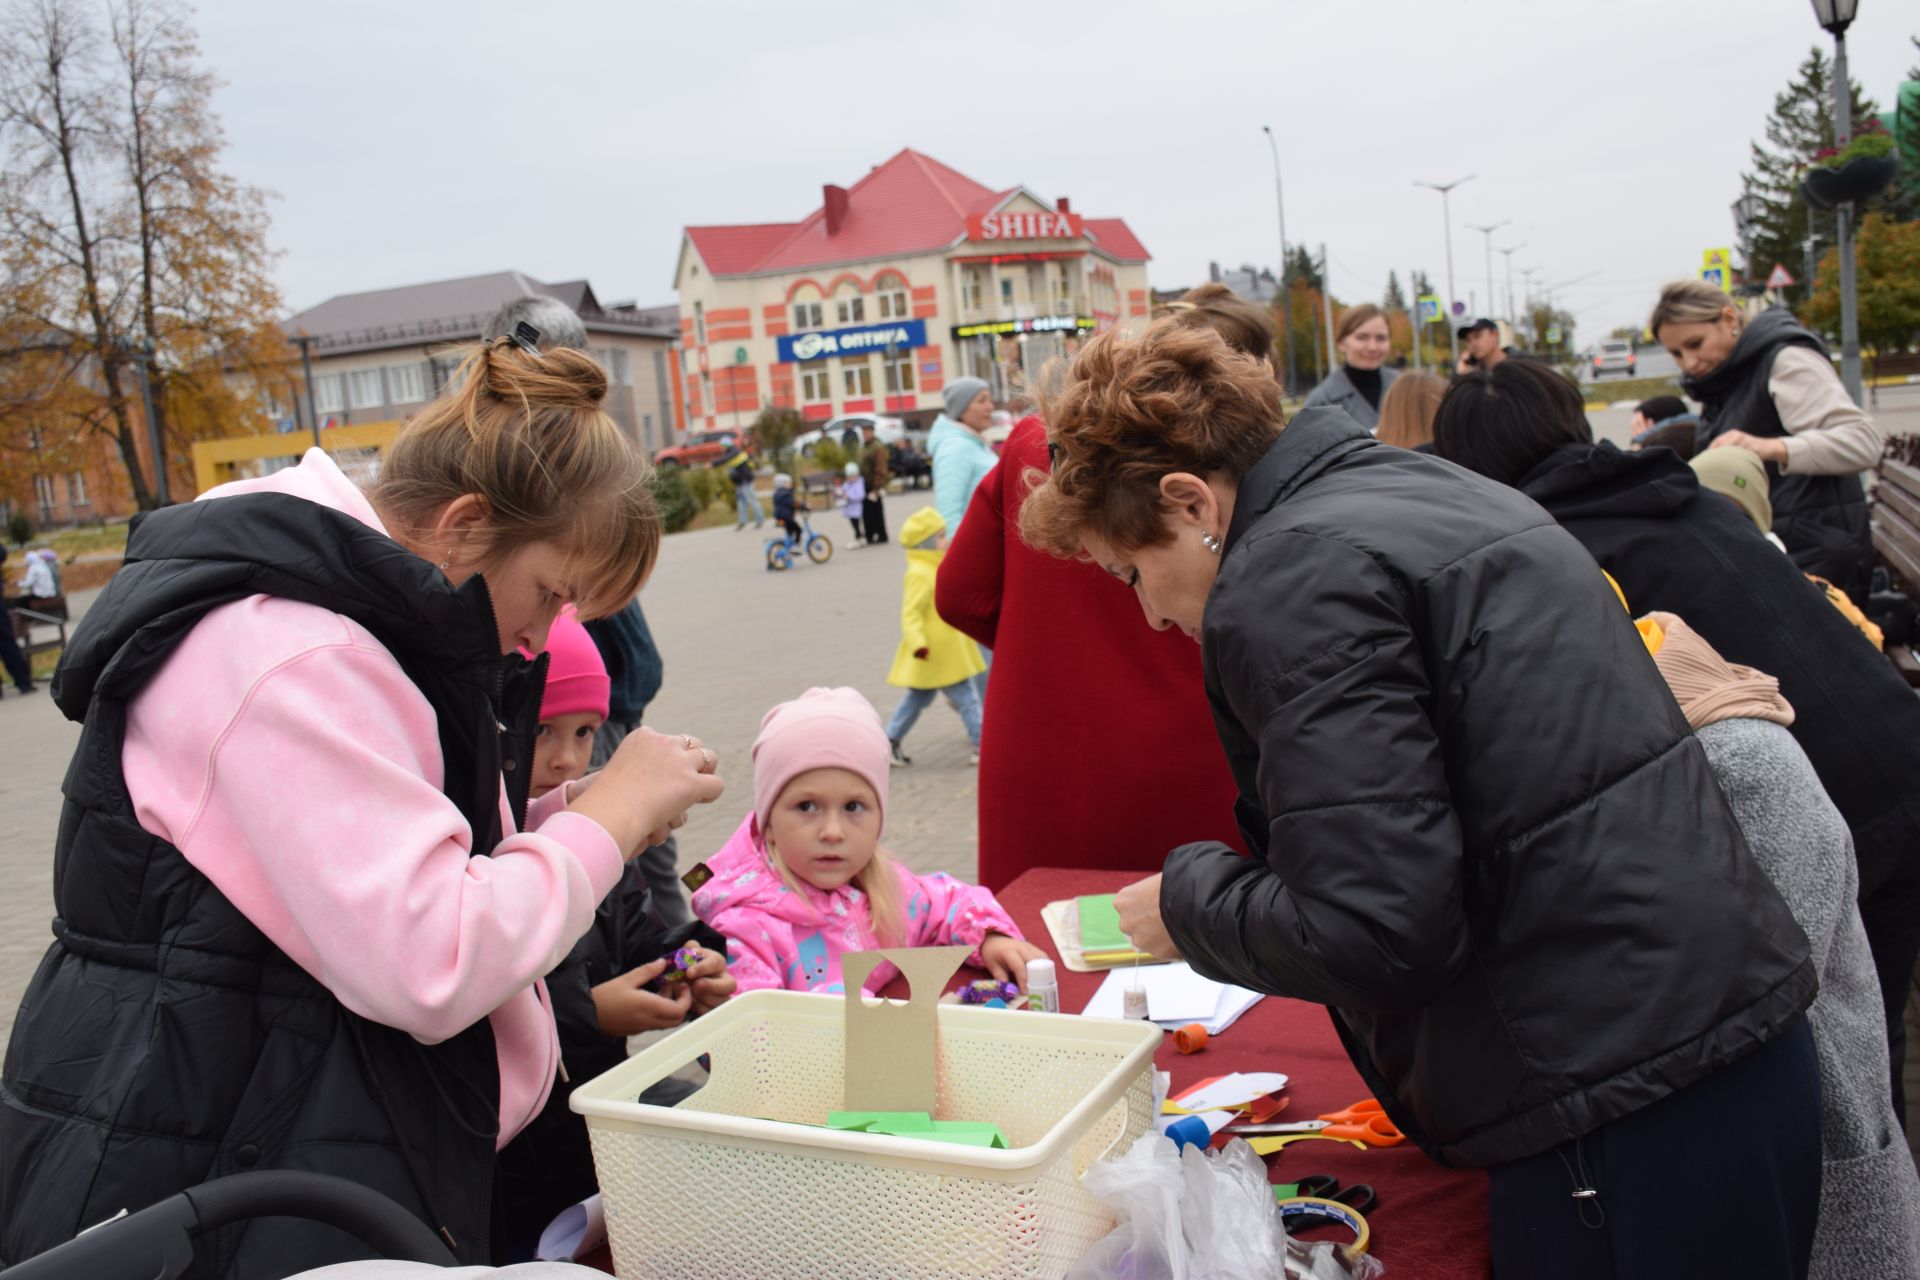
<point x="1100" y="925"/>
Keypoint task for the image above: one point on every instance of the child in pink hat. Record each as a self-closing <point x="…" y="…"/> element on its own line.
<point x="804" y="880"/>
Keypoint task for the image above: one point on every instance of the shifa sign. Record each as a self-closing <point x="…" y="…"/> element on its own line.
<point x="1024" y="226"/>
<point x="857" y="341"/>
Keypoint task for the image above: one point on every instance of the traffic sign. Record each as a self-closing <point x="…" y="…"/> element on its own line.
<point x="1429" y="308"/>
<point x="1553" y="335"/>
<point x="1459" y="309"/>
<point x="1715" y="276"/>
<point x="1780" y="279"/>
<point x="1711" y="258"/>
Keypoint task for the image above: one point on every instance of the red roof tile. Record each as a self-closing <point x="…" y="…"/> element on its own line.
<point x="911" y="204"/>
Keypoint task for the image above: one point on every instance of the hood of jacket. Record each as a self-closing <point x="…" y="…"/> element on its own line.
<point x="921" y="525"/>
<point x="946" y="432"/>
<point x="744" y="878"/>
<point x="1763" y="335"/>
<point x="1578" y="481"/>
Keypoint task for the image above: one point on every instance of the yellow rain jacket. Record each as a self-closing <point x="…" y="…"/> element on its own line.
<point x="951" y="657"/>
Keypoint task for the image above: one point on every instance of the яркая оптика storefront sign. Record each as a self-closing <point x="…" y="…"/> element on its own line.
<point x="859" y="340"/>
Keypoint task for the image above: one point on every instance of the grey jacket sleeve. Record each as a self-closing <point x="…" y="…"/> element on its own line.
<point x="1831" y="435"/>
<point x="1358" y="902"/>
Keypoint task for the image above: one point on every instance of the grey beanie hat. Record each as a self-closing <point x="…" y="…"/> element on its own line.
<point x="960" y="393"/>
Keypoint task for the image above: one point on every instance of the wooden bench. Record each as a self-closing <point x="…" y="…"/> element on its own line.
<point x="43" y="628"/>
<point x="1895" y="518"/>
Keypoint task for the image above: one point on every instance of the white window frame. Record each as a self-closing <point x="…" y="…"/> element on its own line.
<point x="893" y="304"/>
<point x="43" y="493"/>
<point x="899" y="371"/>
<point x="858" y="378"/>
<point x="360" y="383"/>
<point x="816" y="382"/>
<point x="328" y="393"/>
<point x="808" y="315"/>
<point x="77" y="489"/>
<point x="851" y="310"/>
<point x="407" y="383"/>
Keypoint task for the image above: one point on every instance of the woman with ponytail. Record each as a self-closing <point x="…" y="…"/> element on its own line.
<point x="303" y="902"/>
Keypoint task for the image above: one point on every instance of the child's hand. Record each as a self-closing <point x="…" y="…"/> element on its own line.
<point x="624" y="1007"/>
<point x="710" y="982"/>
<point x="1006" y="958"/>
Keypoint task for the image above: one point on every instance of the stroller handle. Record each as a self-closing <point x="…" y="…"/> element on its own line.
<point x="157" y="1242"/>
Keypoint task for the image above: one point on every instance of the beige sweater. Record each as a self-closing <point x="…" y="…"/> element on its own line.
<point x="1829" y="434"/>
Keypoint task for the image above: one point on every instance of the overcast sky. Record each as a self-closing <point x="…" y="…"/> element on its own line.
<point x="424" y="139"/>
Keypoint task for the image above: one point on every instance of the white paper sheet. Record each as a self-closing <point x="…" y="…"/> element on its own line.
<point x="580" y="1229"/>
<point x="1216" y="1120"/>
<point x="1232" y="1090"/>
<point x="1175" y="993"/>
<point x="1234" y="1001"/>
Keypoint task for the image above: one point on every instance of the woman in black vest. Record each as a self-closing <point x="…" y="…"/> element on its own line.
<point x="1482" y="832"/>
<point x="1768" y="386"/>
<point x="303" y="905"/>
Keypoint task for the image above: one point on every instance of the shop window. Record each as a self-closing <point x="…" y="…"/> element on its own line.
<point x="893" y="305"/>
<point x="327" y="394"/>
<point x="408" y="381"/>
<point x="816" y="385"/>
<point x="899" y="374"/>
<point x="859" y="379"/>
<point x="852" y="310"/>
<point x="806" y="315"/>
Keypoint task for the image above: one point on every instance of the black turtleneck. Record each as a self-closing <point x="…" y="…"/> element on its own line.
<point x="1366" y="382"/>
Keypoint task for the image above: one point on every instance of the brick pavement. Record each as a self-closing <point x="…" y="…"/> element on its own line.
<point x="736" y="639"/>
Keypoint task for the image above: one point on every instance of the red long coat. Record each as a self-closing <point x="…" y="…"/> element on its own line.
<point x="1099" y="749"/>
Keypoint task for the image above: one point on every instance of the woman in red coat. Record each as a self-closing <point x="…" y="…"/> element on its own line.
<point x="1099" y="749"/>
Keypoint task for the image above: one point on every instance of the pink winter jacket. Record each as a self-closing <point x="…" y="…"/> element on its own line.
<point x="283" y="751"/>
<point x="779" y="938"/>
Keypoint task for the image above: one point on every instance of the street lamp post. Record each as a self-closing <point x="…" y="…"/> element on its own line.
<point x="306" y="374"/>
<point x="1488" y="231"/>
<point x="1446" y="220"/>
<point x="1513" y="317"/>
<point x="143" y="357"/>
<point x="1835" y="16"/>
<point x="1747" y="211"/>
<point x="1286" y="294"/>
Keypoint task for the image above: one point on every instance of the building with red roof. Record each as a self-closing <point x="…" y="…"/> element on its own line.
<point x="912" y="276"/>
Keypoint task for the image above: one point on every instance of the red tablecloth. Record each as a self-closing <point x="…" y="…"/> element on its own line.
<point x="1430" y="1221"/>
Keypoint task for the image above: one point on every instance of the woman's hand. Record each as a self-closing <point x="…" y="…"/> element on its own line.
<point x="1766" y="448"/>
<point x="624" y="1007"/>
<point x="710" y="982"/>
<point x="1006" y="958"/>
<point x="1138" y="906"/>
<point x="645" y="790"/>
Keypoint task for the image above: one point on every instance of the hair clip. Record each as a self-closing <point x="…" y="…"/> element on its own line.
<point x="527" y="338"/>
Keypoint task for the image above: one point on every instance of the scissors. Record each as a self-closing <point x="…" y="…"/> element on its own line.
<point x="1365" y="1121"/>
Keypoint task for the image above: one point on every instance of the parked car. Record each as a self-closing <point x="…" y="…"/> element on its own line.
<point x="1613" y="357"/>
<point x="699" y="449"/>
<point x="885" y="430"/>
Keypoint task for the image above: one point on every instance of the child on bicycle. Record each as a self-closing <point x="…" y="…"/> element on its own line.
<point x="785" y="502"/>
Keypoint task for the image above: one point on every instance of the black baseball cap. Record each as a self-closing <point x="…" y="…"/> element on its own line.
<point x="1476" y="326"/>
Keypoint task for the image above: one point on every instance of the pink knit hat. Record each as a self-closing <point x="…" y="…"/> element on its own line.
<point x="820" y="729"/>
<point x="576" y="676"/>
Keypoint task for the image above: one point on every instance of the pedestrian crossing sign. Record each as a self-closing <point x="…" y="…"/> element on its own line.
<point x="1712" y="258"/>
<point x="1429" y="308"/>
<point x="1715" y="276"/>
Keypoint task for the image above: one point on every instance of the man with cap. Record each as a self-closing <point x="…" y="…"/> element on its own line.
<point x="1483" y="345"/>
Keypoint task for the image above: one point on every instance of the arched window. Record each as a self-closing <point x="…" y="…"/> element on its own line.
<point x="849" y="307"/>
<point x="807" y="306"/>
<point x="890" y="302"/>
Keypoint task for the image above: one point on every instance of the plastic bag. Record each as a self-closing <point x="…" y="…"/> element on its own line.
<point x="1200" y="1215"/>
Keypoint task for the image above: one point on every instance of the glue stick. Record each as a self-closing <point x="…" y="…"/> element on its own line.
<point x="1043" y="988"/>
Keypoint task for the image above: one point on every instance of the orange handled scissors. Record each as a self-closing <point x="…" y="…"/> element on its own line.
<point x="1365" y="1121"/>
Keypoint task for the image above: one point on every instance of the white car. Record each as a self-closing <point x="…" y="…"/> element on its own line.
<point x="885" y="430"/>
<point x="1613" y="357"/>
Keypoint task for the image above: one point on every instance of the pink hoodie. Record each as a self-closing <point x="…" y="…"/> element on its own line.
<point x="283" y="751"/>
<point x="778" y="938"/>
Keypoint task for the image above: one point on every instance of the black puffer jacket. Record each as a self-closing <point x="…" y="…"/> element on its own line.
<point x="1675" y="547"/>
<point x="1483" y="833"/>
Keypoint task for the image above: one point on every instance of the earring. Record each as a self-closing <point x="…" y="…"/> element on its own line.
<point x="1211" y="543"/>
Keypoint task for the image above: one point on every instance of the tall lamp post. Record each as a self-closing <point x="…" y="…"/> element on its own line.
<point x="1747" y="210"/>
<point x="1286" y="294"/>
<point x="1513" y="317"/>
<point x="142" y="353"/>
<point x="1835" y="16"/>
<point x="306" y="374"/>
<point x="1446" y="220"/>
<point x="1488" y="231"/>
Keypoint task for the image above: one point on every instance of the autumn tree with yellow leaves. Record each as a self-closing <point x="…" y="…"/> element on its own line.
<point x="122" y="236"/>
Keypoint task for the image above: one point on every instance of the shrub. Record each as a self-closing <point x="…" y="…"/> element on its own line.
<point x="829" y="456"/>
<point x="675" y="499"/>
<point x="20" y="529"/>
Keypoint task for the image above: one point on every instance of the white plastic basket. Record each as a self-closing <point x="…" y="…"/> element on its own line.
<point x="715" y="1188"/>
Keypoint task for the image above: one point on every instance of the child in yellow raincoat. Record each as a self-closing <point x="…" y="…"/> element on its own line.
<point x="933" y="657"/>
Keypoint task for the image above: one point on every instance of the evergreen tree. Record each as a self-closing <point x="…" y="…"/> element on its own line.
<point x="1395" y="300"/>
<point x="1801" y="125"/>
<point x="1902" y="199"/>
<point x="1302" y="270"/>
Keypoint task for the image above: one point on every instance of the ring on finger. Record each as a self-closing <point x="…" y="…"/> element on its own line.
<point x="686" y="740"/>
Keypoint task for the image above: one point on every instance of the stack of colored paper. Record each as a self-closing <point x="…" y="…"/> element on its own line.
<point x="1101" y="941"/>
<point x="918" y="1124"/>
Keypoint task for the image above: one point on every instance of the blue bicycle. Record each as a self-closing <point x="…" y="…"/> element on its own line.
<point x="783" y="550"/>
